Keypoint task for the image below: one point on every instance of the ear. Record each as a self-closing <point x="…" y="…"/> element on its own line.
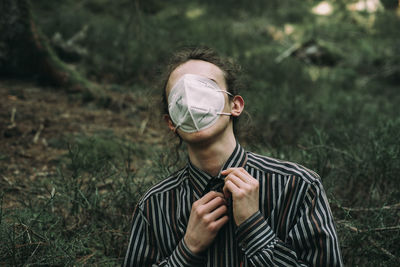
<point x="237" y="105"/>
<point x="169" y="122"/>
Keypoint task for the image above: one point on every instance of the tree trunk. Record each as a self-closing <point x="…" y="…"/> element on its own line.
<point x="25" y="51"/>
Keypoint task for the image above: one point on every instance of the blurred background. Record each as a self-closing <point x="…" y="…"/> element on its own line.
<point x="82" y="135"/>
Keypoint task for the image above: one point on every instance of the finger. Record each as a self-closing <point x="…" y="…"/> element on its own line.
<point x="245" y="176"/>
<point x="228" y="171"/>
<point x="237" y="171"/>
<point x="241" y="173"/>
<point x="217" y="213"/>
<point x="209" y="196"/>
<point x="226" y="192"/>
<point x="231" y="188"/>
<point x="219" y="223"/>
<point x="214" y="204"/>
<point x="236" y="180"/>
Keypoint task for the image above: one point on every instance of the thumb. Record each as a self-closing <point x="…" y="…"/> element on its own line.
<point x="227" y="193"/>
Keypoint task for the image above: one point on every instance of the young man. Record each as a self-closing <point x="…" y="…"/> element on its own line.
<point x="227" y="207"/>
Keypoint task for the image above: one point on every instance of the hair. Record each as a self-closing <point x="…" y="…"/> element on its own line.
<point x="230" y="70"/>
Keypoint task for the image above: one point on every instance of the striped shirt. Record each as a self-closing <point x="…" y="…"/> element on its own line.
<point x="294" y="226"/>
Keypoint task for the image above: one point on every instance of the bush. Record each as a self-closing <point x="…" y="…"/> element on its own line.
<point x="335" y="111"/>
<point x="80" y="216"/>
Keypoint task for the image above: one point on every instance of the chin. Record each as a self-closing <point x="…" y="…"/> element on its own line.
<point x="209" y="134"/>
<point x="195" y="137"/>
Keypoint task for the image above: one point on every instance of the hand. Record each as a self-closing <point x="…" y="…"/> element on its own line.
<point x="207" y="216"/>
<point x="245" y="193"/>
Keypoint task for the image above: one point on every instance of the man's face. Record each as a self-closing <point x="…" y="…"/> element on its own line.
<point x="212" y="72"/>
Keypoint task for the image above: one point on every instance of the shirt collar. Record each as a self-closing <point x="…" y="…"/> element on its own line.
<point x="200" y="179"/>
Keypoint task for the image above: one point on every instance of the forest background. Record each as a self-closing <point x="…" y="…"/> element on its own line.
<point x="321" y="85"/>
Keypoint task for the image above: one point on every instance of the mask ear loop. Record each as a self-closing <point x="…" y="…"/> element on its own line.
<point x="224" y="113"/>
<point x="226" y="92"/>
<point x="176" y="128"/>
<point x="229" y="95"/>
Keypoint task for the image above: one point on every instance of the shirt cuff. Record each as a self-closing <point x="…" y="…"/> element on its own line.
<point x="254" y="234"/>
<point x="182" y="256"/>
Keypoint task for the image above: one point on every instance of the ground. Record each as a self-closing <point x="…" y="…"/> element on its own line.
<point x="33" y="120"/>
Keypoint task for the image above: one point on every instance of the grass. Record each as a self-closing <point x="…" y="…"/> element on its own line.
<point x="80" y="216"/>
<point x="337" y="117"/>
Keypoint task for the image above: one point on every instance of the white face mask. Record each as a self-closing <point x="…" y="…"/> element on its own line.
<point x="195" y="103"/>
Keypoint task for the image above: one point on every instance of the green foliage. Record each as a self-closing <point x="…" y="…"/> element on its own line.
<point x="81" y="215"/>
<point x="340" y="119"/>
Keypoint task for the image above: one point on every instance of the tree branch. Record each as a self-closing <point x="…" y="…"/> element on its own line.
<point x="370" y="240"/>
<point x="389" y="207"/>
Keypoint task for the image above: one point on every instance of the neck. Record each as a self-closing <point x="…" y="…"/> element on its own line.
<point x="210" y="156"/>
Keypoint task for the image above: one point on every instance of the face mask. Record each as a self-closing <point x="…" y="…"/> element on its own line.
<point x="195" y="103"/>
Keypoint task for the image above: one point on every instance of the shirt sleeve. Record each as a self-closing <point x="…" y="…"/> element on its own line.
<point x="142" y="249"/>
<point x="312" y="241"/>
